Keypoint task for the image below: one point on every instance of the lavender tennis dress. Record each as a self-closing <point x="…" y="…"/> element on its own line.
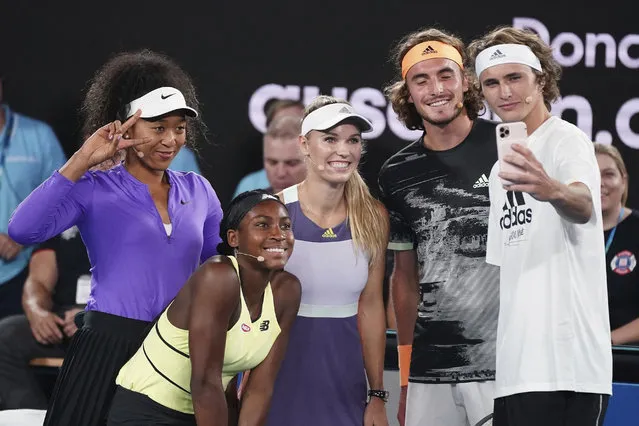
<point x="322" y="381"/>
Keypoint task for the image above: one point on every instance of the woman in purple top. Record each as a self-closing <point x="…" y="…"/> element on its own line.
<point x="341" y="234"/>
<point x="146" y="228"/>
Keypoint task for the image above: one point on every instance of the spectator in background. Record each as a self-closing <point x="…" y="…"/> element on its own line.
<point x="29" y="153"/>
<point x="275" y="109"/>
<point x="185" y="161"/>
<point x="621" y="229"/>
<point x="283" y="160"/>
<point x="56" y="289"/>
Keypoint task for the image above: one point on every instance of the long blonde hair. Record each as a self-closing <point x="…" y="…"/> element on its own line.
<point x="365" y="214"/>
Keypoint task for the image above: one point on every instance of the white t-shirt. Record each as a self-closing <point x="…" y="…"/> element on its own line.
<point x="553" y="331"/>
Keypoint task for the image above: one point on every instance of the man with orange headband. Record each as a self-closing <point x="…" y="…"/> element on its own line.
<point x="554" y="357"/>
<point x="436" y="190"/>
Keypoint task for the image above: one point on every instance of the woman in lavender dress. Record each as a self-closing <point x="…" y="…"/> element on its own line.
<point x="338" y="339"/>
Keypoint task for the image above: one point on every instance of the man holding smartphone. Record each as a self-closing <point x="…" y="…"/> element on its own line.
<point x="445" y="295"/>
<point x="554" y="361"/>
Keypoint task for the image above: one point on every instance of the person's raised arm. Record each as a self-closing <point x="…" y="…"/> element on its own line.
<point x="58" y="203"/>
<point x="256" y="398"/>
<point x="215" y="292"/>
<point x="569" y="189"/>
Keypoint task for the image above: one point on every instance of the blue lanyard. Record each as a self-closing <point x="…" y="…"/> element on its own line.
<point x="4" y="146"/>
<point x="612" y="233"/>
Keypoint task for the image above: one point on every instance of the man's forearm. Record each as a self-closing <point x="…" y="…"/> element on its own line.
<point x="628" y="333"/>
<point x="405" y="300"/>
<point x="573" y="202"/>
<point x="36" y="296"/>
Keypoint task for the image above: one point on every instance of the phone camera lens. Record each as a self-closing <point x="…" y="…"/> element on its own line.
<point x="506" y="132"/>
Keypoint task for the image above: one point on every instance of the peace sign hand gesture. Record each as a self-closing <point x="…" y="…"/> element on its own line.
<point x="101" y="146"/>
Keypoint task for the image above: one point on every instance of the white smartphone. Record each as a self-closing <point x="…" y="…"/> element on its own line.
<point x="508" y="134"/>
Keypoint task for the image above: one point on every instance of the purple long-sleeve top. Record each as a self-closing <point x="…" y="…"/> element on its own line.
<point x="136" y="268"/>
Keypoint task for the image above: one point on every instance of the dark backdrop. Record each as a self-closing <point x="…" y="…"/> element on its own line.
<point x="240" y="53"/>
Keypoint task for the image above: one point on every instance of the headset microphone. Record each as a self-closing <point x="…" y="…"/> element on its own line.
<point x="319" y="166"/>
<point x="138" y="153"/>
<point x="258" y="258"/>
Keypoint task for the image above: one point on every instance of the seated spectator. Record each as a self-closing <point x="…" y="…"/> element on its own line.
<point x="275" y="109"/>
<point x="621" y="232"/>
<point x="29" y="153"/>
<point x="56" y="289"/>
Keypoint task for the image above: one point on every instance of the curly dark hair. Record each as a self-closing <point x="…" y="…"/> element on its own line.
<point x="551" y="70"/>
<point x="397" y="91"/>
<point x="130" y="75"/>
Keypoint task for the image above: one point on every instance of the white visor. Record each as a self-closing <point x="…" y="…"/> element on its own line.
<point x="330" y="115"/>
<point x="159" y="102"/>
<point x="506" y="54"/>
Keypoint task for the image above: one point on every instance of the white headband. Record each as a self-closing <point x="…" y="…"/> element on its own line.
<point x="158" y="102"/>
<point x="506" y="54"/>
<point x="330" y="115"/>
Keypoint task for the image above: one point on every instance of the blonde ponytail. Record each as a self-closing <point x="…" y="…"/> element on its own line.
<point x="365" y="218"/>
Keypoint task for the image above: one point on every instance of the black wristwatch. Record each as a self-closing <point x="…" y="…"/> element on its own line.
<point x="378" y="393"/>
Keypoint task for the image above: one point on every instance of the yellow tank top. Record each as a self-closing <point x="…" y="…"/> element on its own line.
<point x="161" y="368"/>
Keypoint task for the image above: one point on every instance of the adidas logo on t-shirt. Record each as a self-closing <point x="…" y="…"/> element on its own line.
<point x="496" y="55"/>
<point x="329" y="233"/>
<point x="429" y="50"/>
<point x="515" y="212"/>
<point x="482" y="182"/>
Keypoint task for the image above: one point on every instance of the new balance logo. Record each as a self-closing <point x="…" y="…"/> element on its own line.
<point x="496" y="55"/>
<point x="329" y="233"/>
<point x="515" y="212"/>
<point x="264" y="325"/>
<point x="429" y="50"/>
<point x="482" y="182"/>
<point x="344" y="111"/>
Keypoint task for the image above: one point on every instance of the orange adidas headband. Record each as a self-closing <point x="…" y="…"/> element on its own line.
<point x="430" y="50"/>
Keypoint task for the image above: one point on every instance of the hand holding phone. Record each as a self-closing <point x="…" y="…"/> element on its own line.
<point x="508" y="134"/>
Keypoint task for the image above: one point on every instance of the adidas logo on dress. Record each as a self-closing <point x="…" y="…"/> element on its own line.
<point x="496" y="55"/>
<point x="482" y="182"/>
<point x="329" y="233"/>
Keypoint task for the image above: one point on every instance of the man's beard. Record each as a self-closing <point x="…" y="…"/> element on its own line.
<point x="445" y="122"/>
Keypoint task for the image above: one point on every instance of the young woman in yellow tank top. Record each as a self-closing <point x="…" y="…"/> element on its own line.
<point x="233" y="314"/>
